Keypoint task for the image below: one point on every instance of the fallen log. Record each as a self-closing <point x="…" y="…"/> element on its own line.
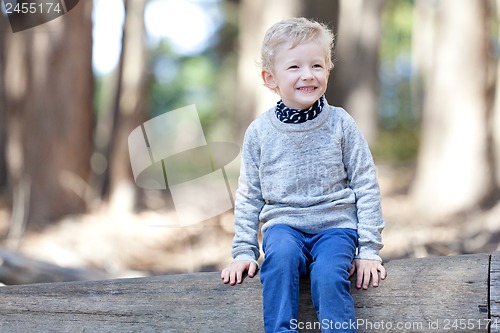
<point x="440" y="294"/>
<point x="16" y="268"/>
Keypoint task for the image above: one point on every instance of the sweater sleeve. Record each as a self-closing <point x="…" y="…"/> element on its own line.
<point x="249" y="201"/>
<point x="362" y="177"/>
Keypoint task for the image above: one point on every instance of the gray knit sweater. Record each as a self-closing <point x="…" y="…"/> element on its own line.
<point x="311" y="176"/>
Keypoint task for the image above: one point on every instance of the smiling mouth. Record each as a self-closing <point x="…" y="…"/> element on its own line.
<point x="307" y="89"/>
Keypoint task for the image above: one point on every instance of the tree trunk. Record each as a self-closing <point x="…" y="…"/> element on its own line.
<point x="423" y="44"/>
<point x="3" y="111"/>
<point x="49" y="103"/>
<point x="129" y="109"/>
<point x="453" y="171"/>
<point x="496" y="111"/>
<point x="355" y="76"/>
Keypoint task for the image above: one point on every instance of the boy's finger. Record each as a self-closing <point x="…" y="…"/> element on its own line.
<point x="239" y="276"/>
<point x="352" y="270"/>
<point x="359" y="278"/>
<point x="366" y="279"/>
<point x="232" y="278"/>
<point x="224" y="276"/>
<point x="374" y="276"/>
<point x="252" y="270"/>
<point x="383" y="272"/>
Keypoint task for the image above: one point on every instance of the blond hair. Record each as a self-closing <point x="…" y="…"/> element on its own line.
<point x="295" y="31"/>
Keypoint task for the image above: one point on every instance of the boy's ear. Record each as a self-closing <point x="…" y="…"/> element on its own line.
<point x="268" y="79"/>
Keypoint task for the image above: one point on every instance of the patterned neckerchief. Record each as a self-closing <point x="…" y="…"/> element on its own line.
<point x="294" y="116"/>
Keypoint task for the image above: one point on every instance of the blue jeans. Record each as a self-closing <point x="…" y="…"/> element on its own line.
<point x="327" y="257"/>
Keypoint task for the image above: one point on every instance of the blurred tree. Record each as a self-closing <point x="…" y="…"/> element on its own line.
<point x="3" y="112"/>
<point x="355" y="80"/>
<point x="129" y="106"/>
<point x="495" y="124"/>
<point x="454" y="170"/>
<point x="398" y="115"/>
<point x="48" y="98"/>
<point x="225" y="51"/>
<point x="423" y="40"/>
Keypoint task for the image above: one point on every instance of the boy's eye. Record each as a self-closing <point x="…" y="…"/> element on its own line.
<point x="317" y="66"/>
<point x="293" y="67"/>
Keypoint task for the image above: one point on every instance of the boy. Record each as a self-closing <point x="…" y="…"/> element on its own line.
<point x="307" y="174"/>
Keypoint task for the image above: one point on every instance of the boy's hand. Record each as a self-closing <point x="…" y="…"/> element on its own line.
<point x="235" y="272"/>
<point x="367" y="270"/>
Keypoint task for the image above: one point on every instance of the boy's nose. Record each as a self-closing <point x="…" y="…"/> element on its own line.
<point x="307" y="74"/>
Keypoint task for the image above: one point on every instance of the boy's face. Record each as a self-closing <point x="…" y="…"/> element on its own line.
<point x="300" y="75"/>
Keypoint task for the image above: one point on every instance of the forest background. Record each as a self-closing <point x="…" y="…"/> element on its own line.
<point x="420" y="77"/>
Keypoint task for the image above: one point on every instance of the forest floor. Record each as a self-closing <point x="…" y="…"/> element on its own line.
<point x="126" y="244"/>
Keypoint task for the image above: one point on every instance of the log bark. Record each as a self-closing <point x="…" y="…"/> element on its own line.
<point x="495" y="292"/>
<point x="438" y="294"/>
